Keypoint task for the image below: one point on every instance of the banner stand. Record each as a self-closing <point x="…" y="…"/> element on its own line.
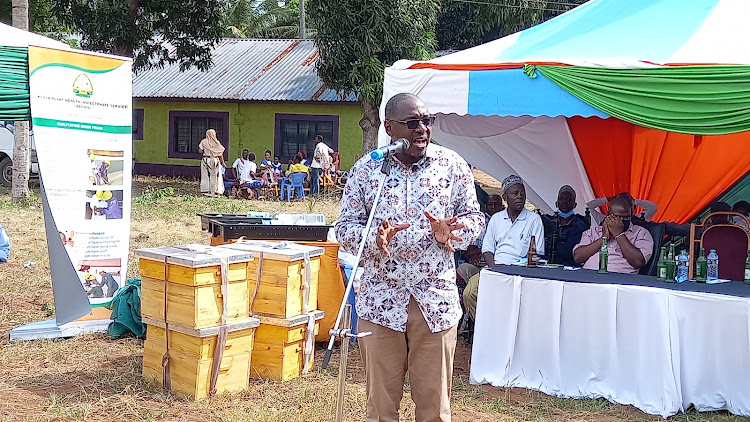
<point x="50" y="330"/>
<point x="81" y="111"/>
<point x="70" y="298"/>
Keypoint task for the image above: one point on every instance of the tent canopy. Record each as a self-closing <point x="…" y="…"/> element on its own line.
<point x="14" y="37"/>
<point x="540" y="103"/>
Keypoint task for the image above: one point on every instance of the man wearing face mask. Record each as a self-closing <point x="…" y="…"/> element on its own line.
<point x="563" y="230"/>
<point x="629" y="246"/>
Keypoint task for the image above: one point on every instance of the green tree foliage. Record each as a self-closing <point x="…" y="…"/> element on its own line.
<point x="268" y="19"/>
<point x="464" y="24"/>
<point x="357" y="39"/>
<point x="153" y="32"/>
<point x="42" y="20"/>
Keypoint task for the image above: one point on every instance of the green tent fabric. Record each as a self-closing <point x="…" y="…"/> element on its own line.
<point x="14" y="83"/>
<point x="698" y="100"/>
<point x="126" y="311"/>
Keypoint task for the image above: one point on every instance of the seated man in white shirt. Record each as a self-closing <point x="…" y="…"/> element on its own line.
<point x="649" y="208"/>
<point x="245" y="167"/>
<point x="241" y="165"/>
<point x="507" y="238"/>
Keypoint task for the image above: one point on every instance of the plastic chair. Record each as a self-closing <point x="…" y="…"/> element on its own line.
<point x="296" y="181"/>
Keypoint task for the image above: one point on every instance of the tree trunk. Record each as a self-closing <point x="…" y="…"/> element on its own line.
<point x="370" y="123"/>
<point x="20" y="186"/>
<point x="302" y="29"/>
<point x="20" y="189"/>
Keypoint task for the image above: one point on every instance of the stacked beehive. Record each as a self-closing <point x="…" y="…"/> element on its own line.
<point x="286" y="277"/>
<point x="196" y="301"/>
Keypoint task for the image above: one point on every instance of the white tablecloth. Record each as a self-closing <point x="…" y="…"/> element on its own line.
<point x="656" y="349"/>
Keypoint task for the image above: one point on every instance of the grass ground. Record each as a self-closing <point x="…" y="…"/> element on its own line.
<point x="93" y="378"/>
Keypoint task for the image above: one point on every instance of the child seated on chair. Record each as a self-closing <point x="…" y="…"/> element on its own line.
<point x="295" y="167"/>
<point x="277" y="168"/>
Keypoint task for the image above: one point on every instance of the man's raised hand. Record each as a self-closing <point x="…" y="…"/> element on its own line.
<point x="443" y="230"/>
<point x="386" y="231"/>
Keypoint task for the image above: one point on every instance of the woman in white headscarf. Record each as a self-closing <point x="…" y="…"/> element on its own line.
<point x="212" y="184"/>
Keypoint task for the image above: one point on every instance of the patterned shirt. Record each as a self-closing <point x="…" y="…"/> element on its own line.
<point x="440" y="183"/>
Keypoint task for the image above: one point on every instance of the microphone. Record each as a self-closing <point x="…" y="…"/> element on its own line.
<point x="395" y="147"/>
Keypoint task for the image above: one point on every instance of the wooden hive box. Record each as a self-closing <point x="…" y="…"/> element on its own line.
<point x="281" y="292"/>
<point x="279" y="351"/>
<point x="191" y="275"/>
<point x="191" y="356"/>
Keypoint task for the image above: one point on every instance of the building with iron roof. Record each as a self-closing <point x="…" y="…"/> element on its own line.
<point x="259" y="94"/>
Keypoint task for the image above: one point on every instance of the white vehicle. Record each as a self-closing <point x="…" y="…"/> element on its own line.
<point x="6" y="154"/>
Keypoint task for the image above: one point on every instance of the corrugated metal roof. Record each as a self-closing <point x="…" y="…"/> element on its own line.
<point x="244" y="70"/>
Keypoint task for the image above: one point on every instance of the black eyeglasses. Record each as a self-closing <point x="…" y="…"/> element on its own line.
<point x="412" y="124"/>
<point x="621" y="218"/>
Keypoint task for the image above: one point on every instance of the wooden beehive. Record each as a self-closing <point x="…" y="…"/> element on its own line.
<point x="279" y="351"/>
<point x="191" y="275"/>
<point x="281" y="292"/>
<point x="191" y="356"/>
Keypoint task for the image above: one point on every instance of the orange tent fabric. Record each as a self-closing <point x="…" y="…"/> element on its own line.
<point x="681" y="173"/>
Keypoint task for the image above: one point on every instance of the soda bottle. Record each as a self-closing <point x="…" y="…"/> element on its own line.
<point x="682" y="267"/>
<point x="712" y="266"/>
<point x="700" y="267"/>
<point x="603" y="257"/>
<point x="531" y="255"/>
<point x="661" y="265"/>
<point x="747" y="269"/>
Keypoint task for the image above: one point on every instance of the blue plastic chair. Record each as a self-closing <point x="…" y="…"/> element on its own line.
<point x="296" y="181"/>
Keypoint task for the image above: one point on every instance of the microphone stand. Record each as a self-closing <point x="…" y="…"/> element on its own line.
<point x="553" y="245"/>
<point x="345" y="309"/>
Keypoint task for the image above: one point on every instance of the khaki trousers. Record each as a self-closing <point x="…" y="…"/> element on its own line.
<point x="470" y="296"/>
<point x="467" y="271"/>
<point x="428" y="357"/>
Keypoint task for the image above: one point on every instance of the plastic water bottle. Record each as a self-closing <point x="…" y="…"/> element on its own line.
<point x="712" y="266"/>
<point x="682" y="267"/>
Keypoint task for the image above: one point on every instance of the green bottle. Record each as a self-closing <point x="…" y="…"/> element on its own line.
<point x="700" y="267"/>
<point x="603" y="257"/>
<point x="671" y="264"/>
<point x="747" y="269"/>
<point x="661" y="265"/>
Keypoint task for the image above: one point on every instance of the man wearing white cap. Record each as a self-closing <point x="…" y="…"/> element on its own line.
<point x="508" y="236"/>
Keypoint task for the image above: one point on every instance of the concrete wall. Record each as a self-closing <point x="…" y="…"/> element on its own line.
<point x="251" y="126"/>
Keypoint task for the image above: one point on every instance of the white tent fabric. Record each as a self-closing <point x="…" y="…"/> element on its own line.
<point x="536" y="149"/>
<point x="487" y="80"/>
<point x="14" y="37"/>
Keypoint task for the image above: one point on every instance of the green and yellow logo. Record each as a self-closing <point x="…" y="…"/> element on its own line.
<point x="82" y="86"/>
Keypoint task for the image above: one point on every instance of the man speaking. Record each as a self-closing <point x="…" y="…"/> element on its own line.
<point x="407" y="296"/>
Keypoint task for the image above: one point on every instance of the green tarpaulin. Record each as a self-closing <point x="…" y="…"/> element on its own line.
<point x="14" y="83"/>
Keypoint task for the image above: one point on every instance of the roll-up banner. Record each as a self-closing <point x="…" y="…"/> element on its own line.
<point x="81" y="108"/>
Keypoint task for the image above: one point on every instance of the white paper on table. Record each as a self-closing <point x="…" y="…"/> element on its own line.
<point x="718" y="281"/>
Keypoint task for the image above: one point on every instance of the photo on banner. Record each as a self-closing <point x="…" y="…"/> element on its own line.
<point x="81" y="108"/>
